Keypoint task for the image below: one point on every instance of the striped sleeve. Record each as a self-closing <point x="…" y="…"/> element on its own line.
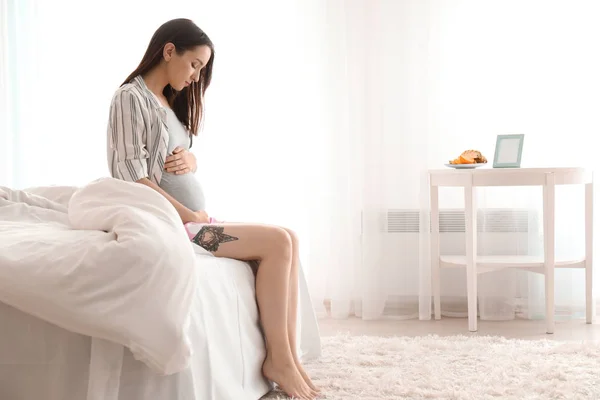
<point x="128" y="132"/>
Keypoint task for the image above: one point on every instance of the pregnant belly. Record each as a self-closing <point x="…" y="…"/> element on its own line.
<point x="185" y="189"/>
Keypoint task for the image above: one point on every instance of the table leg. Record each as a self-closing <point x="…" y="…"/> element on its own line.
<point x="549" y="197"/>
<point x="471" y="255"/>
<point x="589" y="246"/>
<point x="435" y="251"/>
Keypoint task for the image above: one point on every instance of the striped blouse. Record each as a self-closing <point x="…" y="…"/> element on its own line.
<point x="137" y="134"/>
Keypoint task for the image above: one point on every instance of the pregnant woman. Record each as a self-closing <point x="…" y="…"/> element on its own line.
<point x="153" y="117"/>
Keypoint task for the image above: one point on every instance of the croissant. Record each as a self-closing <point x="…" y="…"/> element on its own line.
<point x="470" y="157"/>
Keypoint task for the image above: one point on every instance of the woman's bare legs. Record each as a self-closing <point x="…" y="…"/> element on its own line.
<point x="293" y="306"/>
<point x="273" y="247"/>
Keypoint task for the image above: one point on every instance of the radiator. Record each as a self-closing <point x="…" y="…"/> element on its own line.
<point x="500" y="232"/>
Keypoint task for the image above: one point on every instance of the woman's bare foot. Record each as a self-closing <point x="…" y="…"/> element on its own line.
<point x="306" y="377"/>
<point x="287" y="377"/>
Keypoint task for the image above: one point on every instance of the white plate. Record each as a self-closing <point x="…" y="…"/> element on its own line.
<point x="465" y="166"/>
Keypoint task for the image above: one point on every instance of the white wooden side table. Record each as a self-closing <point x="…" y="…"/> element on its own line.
<point x="469" y="179"/>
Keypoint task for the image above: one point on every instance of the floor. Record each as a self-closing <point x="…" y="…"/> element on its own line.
<point x="516" y="329"/>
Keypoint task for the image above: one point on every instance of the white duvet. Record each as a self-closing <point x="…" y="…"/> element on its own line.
<point x="110" y="260"/>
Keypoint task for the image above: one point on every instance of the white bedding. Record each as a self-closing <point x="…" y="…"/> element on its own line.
<point x="190" y="318"/>
<point x="228" y="351"/>
<point x="115" y="263"/>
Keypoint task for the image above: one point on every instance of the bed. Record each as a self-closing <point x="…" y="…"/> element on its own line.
<point x="65" y="347"/>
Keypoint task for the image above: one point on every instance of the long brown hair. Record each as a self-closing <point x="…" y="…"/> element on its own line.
<point x="188" y="104"/>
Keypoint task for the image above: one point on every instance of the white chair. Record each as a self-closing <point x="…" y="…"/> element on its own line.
<point x="548" y="178"/>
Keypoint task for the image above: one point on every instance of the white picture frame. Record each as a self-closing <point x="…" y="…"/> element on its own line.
<point x="509" y="149"/>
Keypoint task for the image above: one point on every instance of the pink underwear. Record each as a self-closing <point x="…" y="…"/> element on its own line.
<point x="192" y="228"/>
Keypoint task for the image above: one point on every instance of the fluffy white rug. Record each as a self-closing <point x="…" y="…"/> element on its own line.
<point x="458" y="367"/>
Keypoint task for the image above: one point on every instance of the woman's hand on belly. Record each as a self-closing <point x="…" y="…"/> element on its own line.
<point x="181" y="162"/>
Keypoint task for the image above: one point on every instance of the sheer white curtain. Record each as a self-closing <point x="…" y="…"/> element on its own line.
<point x="325" y="116"/>
<point x="415" y="83"/>
<point x="377" y="51"/>
<point x="4" y="123"/>
<point x="16" y="44"/>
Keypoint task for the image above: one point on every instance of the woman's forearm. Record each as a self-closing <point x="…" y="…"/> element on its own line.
<point x="185" y="213"/>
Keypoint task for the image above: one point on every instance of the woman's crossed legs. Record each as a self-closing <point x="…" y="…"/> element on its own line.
<point x="276" y="250"/>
